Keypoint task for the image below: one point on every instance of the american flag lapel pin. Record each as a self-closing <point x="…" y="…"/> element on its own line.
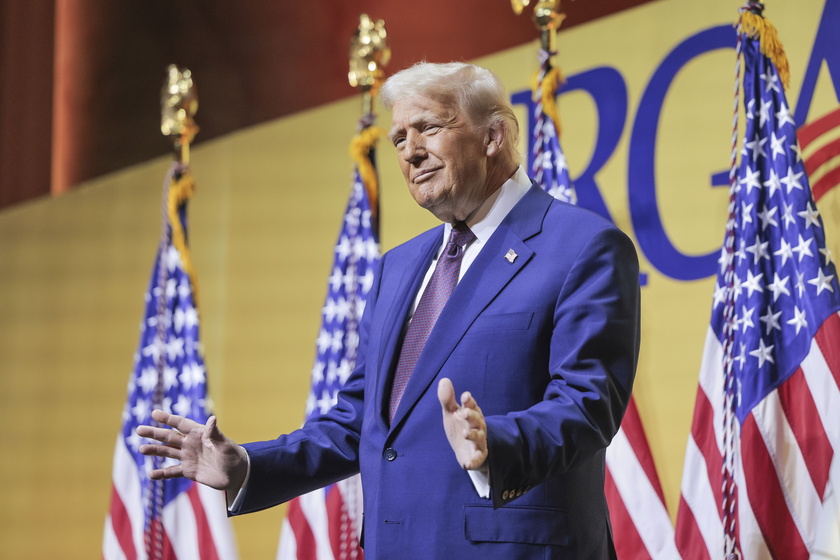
<point x="511" y="255"/>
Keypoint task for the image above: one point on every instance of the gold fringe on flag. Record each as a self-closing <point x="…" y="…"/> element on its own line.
<point x="360" y="146"/>
<point x="757" y="26"/>
<point x="181" y="190"/>
<point x="553" y="79"/>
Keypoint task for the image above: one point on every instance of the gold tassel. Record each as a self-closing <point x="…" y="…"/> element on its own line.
<point x="552" y="80"/>
<point x="360" y="147"/>
<point x="756" y="26"/>
<point x="180" y="191"/>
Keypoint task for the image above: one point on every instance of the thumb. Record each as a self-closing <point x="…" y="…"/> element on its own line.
<point x="212" y="433"/>
<point x="446" y="395"/>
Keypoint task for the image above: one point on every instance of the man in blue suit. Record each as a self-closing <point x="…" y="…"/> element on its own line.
<point x="541" y="330"/>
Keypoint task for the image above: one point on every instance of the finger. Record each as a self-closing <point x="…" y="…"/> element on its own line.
<point x="446" y="395"/>
<point x="180" y="423"/>
<point x="467" y="401"/>
<point x="212" y="432"/>
<point x="160" y="451"/>
<point x="473" y="418"/>
<point x="163" y="435"/>
<point x="169" y="472"/>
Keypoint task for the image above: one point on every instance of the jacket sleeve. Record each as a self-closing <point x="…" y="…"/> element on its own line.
<point x="323" y="451"/>
<point x="592" y="361"/>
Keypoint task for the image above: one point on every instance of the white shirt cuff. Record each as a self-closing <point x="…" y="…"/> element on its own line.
<point x="235" y="502"/>
<point x="481" y="481"/>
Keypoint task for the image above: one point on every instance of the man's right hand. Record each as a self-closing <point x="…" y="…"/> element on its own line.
<point x="205" y="454"/>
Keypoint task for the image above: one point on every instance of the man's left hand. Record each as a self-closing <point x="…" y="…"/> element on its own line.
<point x="465" y="427"/>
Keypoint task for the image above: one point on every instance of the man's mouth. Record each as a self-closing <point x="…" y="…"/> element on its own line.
<point x="423" y="174"/>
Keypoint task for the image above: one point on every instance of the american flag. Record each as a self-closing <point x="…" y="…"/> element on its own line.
<point x="175" y="519"/>
<point x="766" y="424"/>
<point x="641" y="525"/>
<point x="326" y="524"/>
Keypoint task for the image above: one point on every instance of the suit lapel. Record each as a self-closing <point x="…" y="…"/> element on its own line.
<point x="486" y="277"/>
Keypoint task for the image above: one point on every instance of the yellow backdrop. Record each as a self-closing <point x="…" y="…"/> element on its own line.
<point x="73" y="269"/>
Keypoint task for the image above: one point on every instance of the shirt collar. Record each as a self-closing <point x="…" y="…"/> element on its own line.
<point x="492" y="211"/>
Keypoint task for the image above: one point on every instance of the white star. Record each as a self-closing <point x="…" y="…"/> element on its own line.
<point x="184" y="405"/>
<point x="778" y="286"/>
<point x="342" y="248"/>
<point x="170" y="377"/>
<point x="757" y="147"/>
<point x="343" y="371"/>
<point x="720" y="295"/>
<point x="777" y="145"/>
<point x="788" y="215"/>
<point x="759" y="250"/>
<point x="822" y="282"/>
<point x="352" y="219"/>
<point x="803" y="248"/>
<point x="323" y="341"/>
<point x="328" y="311"/>
<point x="752" y="283"/>
<point x="826" y="252"/>
<point x="800" y="283"/>
<point x="791" y="180"/>
<point x="366" y="281"/>
<point x="798" y="319"/>
<point x="785" y="252"/>
<point x="810" y="215"/>
<point x="192" y="376"/>
<point x="767" y="217"/>
<point x="741" y="253"/>
<point x="763" y="353"/>
<point x="797" y="153"/>
<point x="141" y="410"/>
<point x="351" y="343"/>
<point x="335" y="279"/>
<point x="737" y="287"/>
<point x="751" y="180"/>
<point x="173" y="258"/>
<point x="318" y="372"/>
<point x="746" y="214"/>
<point x="342" y="309"/>
<point x="742" y="356"/>
<point x="773" y="184"/>
<point x="175" y="348"/>
<point x="148" y="379"/>
<point x="771" y="320"/>
<point x="746" y="321"/>
<point x="337" y="340"/>
<point x="784" y="116"/>
<point x="772" y="81"/>
<point x="764" y="114"/>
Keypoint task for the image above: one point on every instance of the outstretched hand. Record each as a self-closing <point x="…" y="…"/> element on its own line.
<point x="205" y="454"/>
<point x="465" y="427"/>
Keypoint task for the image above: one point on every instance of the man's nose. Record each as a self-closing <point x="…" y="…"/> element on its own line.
<point x="414" y="149"/>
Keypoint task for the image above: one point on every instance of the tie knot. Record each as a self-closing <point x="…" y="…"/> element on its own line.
<point x="460" y="237"/>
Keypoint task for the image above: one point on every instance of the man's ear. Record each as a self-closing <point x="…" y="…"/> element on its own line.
<point x="496" y="137"/>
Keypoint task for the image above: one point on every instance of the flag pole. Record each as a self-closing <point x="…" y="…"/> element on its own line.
<point x="369" y="54"/>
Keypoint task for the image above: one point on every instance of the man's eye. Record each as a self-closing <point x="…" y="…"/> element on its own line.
<point x="399" y="140"/>
<point x="431" y="127"/>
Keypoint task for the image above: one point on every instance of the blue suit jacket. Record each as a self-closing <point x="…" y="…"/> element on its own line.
<point x="547" y="344"/>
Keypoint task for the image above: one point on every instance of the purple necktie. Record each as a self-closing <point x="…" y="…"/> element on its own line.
<point x="437" y="292"/>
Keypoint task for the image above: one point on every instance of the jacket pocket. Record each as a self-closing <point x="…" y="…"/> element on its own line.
<point x="502" y="322"/>
<point x="517" y="524"/>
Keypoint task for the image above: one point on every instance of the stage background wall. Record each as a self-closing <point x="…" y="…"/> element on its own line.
<point x="262" y="226"/>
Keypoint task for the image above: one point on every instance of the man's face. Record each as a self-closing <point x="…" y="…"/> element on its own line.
<point x="443" y="156"/>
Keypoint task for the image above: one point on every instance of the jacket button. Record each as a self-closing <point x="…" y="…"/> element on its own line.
<point x="390" y="454"/>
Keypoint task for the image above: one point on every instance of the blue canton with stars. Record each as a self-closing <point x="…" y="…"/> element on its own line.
<point x="785" y="282"/>
<point x="356" y="255"/>
<point x="169" y="370"/>
<point x="549" y="166"/>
